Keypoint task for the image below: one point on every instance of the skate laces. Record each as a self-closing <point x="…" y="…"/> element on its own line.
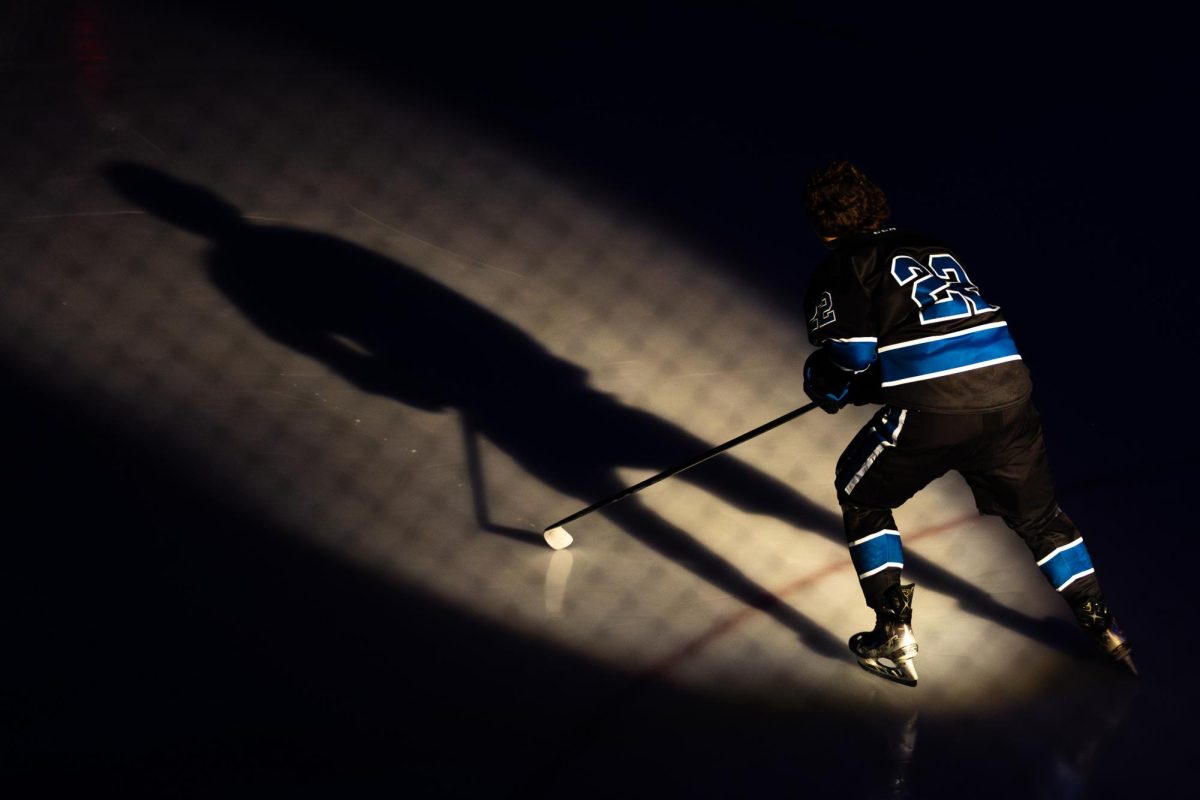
<point x="897" y="605"/>
<point x="1093" y="615"/>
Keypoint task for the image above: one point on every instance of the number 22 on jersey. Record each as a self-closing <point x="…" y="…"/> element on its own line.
<point x="940" y="288"/>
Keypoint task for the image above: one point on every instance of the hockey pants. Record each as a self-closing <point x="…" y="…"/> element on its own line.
<point x="1002" y="457"/>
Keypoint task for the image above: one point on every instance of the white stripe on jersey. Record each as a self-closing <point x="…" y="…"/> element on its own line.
<point x="976" y="329"/>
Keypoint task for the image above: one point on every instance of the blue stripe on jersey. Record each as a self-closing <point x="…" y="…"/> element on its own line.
<point x="943" y="355"/>
<point x="853" y="354"/>
<point x="873" y="553"/>
<point x="1066" y="564"/>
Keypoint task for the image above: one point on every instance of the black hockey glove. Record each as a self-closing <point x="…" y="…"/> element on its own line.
<point x="826" y="383"/>
<point x="864" y="386"/>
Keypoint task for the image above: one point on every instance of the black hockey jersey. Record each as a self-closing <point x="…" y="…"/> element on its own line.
<point x="902" y="302"/>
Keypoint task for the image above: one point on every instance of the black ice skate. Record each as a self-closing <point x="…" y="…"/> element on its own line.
<point x="1099" y="624"/>
<point x="889" y="650"/>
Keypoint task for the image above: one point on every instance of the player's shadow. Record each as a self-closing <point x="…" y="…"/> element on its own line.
<point x="392" y="331"/>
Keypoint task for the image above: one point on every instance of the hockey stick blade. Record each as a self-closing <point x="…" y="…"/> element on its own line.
<point x="558" y="538"/>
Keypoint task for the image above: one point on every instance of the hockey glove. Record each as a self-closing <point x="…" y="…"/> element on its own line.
<point x="827" y="384"/>
<point x="864" y="386"/>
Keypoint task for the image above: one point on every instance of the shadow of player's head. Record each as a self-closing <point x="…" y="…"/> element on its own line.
<point x="183" y="204"/>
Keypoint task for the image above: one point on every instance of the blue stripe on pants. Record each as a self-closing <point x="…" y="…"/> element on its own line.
<point x="876" y="552"/>
<point x="1066" y="564"/>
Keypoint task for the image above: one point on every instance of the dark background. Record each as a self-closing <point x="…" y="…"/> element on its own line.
<point x="1052" y="150"/>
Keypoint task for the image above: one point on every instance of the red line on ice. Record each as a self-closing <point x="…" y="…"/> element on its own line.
<point x="729" y="623"/>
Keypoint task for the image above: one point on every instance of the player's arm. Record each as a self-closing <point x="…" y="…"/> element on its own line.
<point x="840" y="325"/>
<point x="839" y="372"/>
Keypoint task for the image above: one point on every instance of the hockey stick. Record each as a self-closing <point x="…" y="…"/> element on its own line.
<point x="556" y="535"/>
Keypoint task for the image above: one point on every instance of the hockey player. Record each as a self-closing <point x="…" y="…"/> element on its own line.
<point x="897" y="320"/>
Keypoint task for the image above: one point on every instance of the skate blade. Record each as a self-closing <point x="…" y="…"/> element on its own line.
<point x="904" y="672"/>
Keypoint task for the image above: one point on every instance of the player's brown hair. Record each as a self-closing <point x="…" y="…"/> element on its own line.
<point x="840" y="200"/>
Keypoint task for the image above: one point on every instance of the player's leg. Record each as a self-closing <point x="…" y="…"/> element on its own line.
<point x="1058" y="547"/>
<point x="895" y="455"/>
<point x="1012" y="478"/>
